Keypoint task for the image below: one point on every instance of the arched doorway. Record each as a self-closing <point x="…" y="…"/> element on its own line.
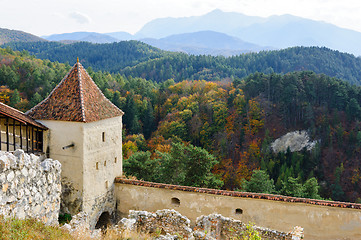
<point x="103" y="221"/>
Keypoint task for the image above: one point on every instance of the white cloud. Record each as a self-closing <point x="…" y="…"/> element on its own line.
<point x="80" y="17"/>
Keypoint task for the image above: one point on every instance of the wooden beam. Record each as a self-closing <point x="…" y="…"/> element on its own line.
<point x="36" y="139"/>
<point x="27" y="138"/>
<point x="0" y="136"/>
<point x="21" y="137"/>
<point x="7" y="134"/>
<point x="41" y="138"/>
<point x="32" y="139"/>
<point x="14" y="135"/>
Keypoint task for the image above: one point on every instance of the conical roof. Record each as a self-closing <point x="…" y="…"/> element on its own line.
<point x="76" y="98"/>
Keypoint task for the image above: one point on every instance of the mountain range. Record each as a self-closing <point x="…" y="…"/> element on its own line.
<point x="7" y="35"/>
<point x="237" y="32"/>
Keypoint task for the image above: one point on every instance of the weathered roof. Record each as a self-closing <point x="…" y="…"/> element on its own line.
<point x="76" y="98"/>
<point x="19" y="116"/>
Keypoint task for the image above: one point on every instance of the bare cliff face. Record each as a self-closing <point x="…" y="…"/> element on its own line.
<point x="296" y="141"/>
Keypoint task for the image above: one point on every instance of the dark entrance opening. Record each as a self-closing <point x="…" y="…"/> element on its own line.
<point x="103" y="221"/>
<point x="175" y="201"/>
<point x="239" y="211"/>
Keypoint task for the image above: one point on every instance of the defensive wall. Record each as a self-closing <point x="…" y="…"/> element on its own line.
<point x="30" y="186"/>
<point x="320" y="219"/>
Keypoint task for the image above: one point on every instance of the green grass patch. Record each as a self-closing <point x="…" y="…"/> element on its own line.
<point x="29" y="229"/>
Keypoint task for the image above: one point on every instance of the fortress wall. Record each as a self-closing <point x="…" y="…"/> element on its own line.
<point x="29" y="187"/>
<point x="320" y="219"/>
<point x="61" y="135"/>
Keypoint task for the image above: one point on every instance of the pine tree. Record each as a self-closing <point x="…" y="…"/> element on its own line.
<point x="15" y="98"/>
<point x="131" y="119"/>
<point x="148" y="121"/>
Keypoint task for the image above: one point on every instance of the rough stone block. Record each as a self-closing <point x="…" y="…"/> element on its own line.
<point x="10" y="176"/>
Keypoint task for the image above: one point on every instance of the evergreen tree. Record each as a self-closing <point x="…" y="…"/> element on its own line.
<point x="35" y="99"/>
<point x="148" y="121"/>
<point x="260" y="182"/>
<point x="292" y="187"/>
<point x="141" y="166"/>
<point x="116" y="99"/>
<point x="353" y="109"/>
<point x="131" y="120"/>
<point x="311" y="189"/>
<point x="15" y="98"/>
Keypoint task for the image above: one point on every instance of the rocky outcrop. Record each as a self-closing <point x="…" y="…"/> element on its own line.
<point x="167" y="222"/>
<point x="295" y="141"/>
<point x="30" y="187"/>
<point x="215" y="226"/>
<point x="172" y="225"/>
<point x="79" y="227"/>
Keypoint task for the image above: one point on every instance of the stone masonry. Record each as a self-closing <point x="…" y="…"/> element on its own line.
<point x="29" y="186"/>
<point x="170" y="224"/>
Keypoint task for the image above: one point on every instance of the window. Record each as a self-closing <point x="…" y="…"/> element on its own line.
<point x="105" y="163"/>
<point x="175" y="201"/>
<point x="239" y="211"/>
<point x="115" y="160"/>
<point x="103" y="136"/>
<point x="97" y="166"/>
<point x="106" y="184"/>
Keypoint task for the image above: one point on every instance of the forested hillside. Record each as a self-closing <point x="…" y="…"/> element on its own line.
<point x="110" y="57"/>
<point x="7" y="35"/>
<point x="218" y="133"/>
<point x="137" y="59"/>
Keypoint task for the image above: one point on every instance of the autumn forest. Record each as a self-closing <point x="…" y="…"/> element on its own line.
<point x="213" y="126"/>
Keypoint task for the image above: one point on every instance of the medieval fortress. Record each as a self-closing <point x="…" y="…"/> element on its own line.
<point x="82" y="130"/>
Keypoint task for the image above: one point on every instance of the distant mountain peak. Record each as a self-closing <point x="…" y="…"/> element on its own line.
<point x="7" y="35"/>
<point x="277" y="31"/>
<point x="92" y="37"/>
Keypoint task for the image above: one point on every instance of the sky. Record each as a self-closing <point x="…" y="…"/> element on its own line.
<point x="46" y="17"/>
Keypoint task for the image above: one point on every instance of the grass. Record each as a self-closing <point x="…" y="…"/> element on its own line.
<point x="29" y="229"/>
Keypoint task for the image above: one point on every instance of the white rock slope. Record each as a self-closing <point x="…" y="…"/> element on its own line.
<point x="296" y="141"/>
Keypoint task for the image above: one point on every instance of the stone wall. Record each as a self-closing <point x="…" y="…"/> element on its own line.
<point x="320" y="219"/>
<point x="172" y="225"/>
<point x="29" y="186"/>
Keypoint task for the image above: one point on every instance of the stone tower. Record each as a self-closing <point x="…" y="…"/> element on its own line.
<point x="86" y="137"/>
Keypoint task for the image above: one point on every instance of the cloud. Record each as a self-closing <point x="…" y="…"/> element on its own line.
<point x="80" y="17"/>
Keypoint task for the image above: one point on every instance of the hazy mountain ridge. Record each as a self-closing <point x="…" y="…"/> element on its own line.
<point x="7" y="35"/>
<point x="204" y="42"/>
<point x="216" y="20"/>
<point x="288" y="31"/>
<point x="92" y="37"/>
<point x="275" y="31"/>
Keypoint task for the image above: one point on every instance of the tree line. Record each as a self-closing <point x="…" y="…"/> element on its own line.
<point x="136" y="59"/>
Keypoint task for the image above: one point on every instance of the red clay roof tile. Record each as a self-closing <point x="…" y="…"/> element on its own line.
<point x="19" y="116"/>
<point x="76" y="98"/>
